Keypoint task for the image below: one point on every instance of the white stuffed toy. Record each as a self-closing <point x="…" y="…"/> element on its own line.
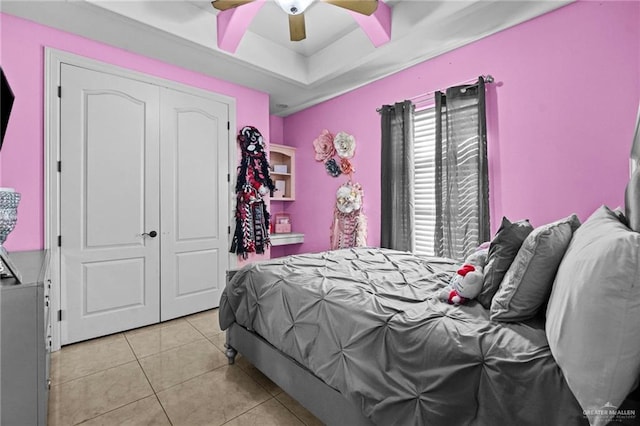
<point x="465" y="285"/>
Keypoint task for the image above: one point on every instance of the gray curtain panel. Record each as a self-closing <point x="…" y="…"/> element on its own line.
<point x="462" y="183"/>
<point x="397" y="206"/>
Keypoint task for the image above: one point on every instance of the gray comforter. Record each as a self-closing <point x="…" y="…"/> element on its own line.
<point x="367" y="322"/>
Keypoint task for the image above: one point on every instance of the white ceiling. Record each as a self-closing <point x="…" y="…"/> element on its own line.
<point x="336" y="56"/>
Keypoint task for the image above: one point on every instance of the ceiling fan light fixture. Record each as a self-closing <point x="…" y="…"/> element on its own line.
<point x="294" y="7"/>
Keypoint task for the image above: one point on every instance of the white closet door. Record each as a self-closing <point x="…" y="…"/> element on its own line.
<point x="193" y="155"/>
<point x="109" y="199"/>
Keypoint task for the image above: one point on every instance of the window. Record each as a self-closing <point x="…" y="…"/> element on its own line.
<point x="451" y="214"/>
<point x="424" y="126"/>
<point x="434" y="192"/>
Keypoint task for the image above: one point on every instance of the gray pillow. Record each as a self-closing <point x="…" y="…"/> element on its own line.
<point x="622" y="217"/>
<point x="632" y="201"/>
<point x="502" y="251"/>
<point x="594" y="312"/>
<point x="527" y="285"/>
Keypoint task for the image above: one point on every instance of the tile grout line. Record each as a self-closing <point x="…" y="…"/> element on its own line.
<point x="92" y="373"/>
<point x="60" y="355"/>
<point x="274" y="396"/>
<point x="245" y="412"/>
<point x="163" y="409"/>
<point x="186" y="380"/>
<point x="204" y="337"/>
<point x="289" y="409"/>
<point x="120" y="406"/>
<point x="157" y="326"/>
<point x="137" y="359"/>
<point x="202" y="374"/>
<point x="172" y="348"/>
<point x="112" y="410"/>
<point x="207" y="372"/>
<point x="201" y="332"/>
<point x="155" y="394"/>
<point x="259" y="384"/>
<point x="189" y="379"/>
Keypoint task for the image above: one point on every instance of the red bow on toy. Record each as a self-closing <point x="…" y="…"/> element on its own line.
<point x="466" y="269"/>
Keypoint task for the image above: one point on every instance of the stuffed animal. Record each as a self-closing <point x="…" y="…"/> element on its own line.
<point x="465" y="285"/>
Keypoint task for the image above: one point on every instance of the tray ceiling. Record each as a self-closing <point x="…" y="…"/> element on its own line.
<point x="336" y="56"/>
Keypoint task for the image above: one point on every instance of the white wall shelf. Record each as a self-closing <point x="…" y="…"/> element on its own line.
<point x="286" y="239"/>
<point x="283" y="156"/>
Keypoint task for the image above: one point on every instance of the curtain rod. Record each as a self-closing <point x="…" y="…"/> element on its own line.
<point x="487" y="79"/>
<point x="427" y="95"/>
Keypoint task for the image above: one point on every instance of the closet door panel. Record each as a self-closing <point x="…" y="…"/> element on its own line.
<point x="109" y="186"/>
<point x="191" y="267"/>
<point x="194" y="152"/>
<point x="196" y="175"/>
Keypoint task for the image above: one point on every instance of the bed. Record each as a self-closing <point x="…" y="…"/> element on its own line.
<point x="359" y="337"/>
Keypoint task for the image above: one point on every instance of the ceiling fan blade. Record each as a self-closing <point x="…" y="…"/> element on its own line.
<point x="297" y="29"/>
<point x="228" y="4"/>
<point x="365" y="7"/>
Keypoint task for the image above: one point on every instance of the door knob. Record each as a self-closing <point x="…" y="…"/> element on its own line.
<point x="151" y="234"/>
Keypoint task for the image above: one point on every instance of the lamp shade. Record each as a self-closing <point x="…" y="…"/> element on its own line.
<point x="9" y="200"/>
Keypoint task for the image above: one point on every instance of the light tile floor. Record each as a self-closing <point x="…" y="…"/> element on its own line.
<point x="173" y="373"/>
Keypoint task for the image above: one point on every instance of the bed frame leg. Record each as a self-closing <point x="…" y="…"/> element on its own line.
<point x="231" y="354"/>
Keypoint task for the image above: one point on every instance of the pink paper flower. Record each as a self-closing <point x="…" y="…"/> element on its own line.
<point x="346" y="166"/>
<point x="323" y="146"/>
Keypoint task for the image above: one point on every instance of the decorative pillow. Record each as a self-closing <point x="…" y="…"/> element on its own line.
<point x="527" y="285"/>
<point x="621" y="217"/>
<point x="502" y="251"/>
<point x="478" y="257"/>
<point x="594" y="312"/>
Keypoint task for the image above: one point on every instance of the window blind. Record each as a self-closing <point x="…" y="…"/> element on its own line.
<point x="424" y="181"/>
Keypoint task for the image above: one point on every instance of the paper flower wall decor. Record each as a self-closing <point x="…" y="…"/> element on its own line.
<point x="346" y="167"/>
<point x="349" y="198"/>
<point x="323" y="146"/>
<point x="332" y="167"/>
<point x="326" y="146"/>
<point x="345" y="145"/>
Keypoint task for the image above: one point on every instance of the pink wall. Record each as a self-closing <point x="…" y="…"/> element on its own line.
<point x="276" y="129"/>
<point x="22" y="58"/>
<point x="560" y="117"/>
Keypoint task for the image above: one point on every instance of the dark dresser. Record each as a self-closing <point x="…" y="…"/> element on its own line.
<point x="25" y="341"/>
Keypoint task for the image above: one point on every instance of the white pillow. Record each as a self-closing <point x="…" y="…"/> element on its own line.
<point x="593" y="315"/>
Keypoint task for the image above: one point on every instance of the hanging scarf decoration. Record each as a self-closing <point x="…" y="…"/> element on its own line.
<point x="349" y="227"/>
<point x="253" y="184"/>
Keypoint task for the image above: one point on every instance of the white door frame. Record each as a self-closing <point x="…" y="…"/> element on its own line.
<point x="53" y="59"/>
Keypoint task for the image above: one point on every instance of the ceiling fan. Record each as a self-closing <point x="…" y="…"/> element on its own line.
<point x="295" y="9"/>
